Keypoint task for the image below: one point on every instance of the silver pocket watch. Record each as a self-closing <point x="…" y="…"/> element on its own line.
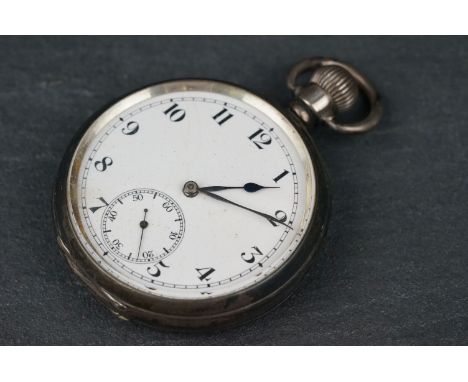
<point x="196" y="203"/>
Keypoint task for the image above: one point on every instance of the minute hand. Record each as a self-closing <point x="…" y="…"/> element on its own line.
<point x="266" y="216"/>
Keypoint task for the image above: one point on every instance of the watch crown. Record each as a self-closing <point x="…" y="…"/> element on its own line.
<point x="332" y="87"/>
<point x="338" y="84"/>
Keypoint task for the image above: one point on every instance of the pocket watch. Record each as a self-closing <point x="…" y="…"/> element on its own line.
<point x="196" y="203"/>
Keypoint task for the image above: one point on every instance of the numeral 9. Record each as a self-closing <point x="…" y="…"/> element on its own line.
<point x="131" y="128"/>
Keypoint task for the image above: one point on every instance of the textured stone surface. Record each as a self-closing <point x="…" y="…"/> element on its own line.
<point x="394" y="268"/>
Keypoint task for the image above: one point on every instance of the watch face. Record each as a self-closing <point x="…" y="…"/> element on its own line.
<point x="191" y="190"/>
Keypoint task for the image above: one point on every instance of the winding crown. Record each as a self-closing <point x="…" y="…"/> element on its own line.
<point x="338" y="84"/>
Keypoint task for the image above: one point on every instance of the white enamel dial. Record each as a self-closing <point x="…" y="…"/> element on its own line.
<point x="255" y="199"/>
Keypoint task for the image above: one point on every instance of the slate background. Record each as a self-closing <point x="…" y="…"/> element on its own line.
<point x="394" y="268"/>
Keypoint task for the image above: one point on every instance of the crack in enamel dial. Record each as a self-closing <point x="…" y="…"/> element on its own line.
<point x="251" y="203"/>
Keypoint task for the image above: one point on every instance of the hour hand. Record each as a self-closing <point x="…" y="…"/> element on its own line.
<point x="249" y="187"/>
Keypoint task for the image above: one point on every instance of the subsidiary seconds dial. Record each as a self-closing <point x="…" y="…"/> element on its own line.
<point x="142" y="226"/>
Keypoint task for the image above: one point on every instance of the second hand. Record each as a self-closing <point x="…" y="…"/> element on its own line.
<point x="143" y="225"/>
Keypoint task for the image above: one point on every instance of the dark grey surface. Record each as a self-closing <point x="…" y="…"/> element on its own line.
<point x="394" y="268"/>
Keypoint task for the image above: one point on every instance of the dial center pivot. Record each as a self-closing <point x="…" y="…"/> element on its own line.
<point x="190" y="189"/>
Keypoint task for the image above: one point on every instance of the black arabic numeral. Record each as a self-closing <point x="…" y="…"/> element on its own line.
<point x="137" y="197"/>
<point x="260" y="138"/>
<point x="154" y="270"/>
<point x="147" y="254"/>
<point x="112" y="215"/>
<point x="173" y="235"/>
<point x="102" y="165"/>
<point x="280" y="216"/>
<point x="94" y="209"/>
<point x="250" y="259"/>
<point x="117" y="244"/>
<point x="222" y="116"/>
<point x="167" y="206"/>
<point x="204" y="273"/>
<point x="131" y="128"/>
<point x="280" y="176"/>
<point x="175" y="113"/>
